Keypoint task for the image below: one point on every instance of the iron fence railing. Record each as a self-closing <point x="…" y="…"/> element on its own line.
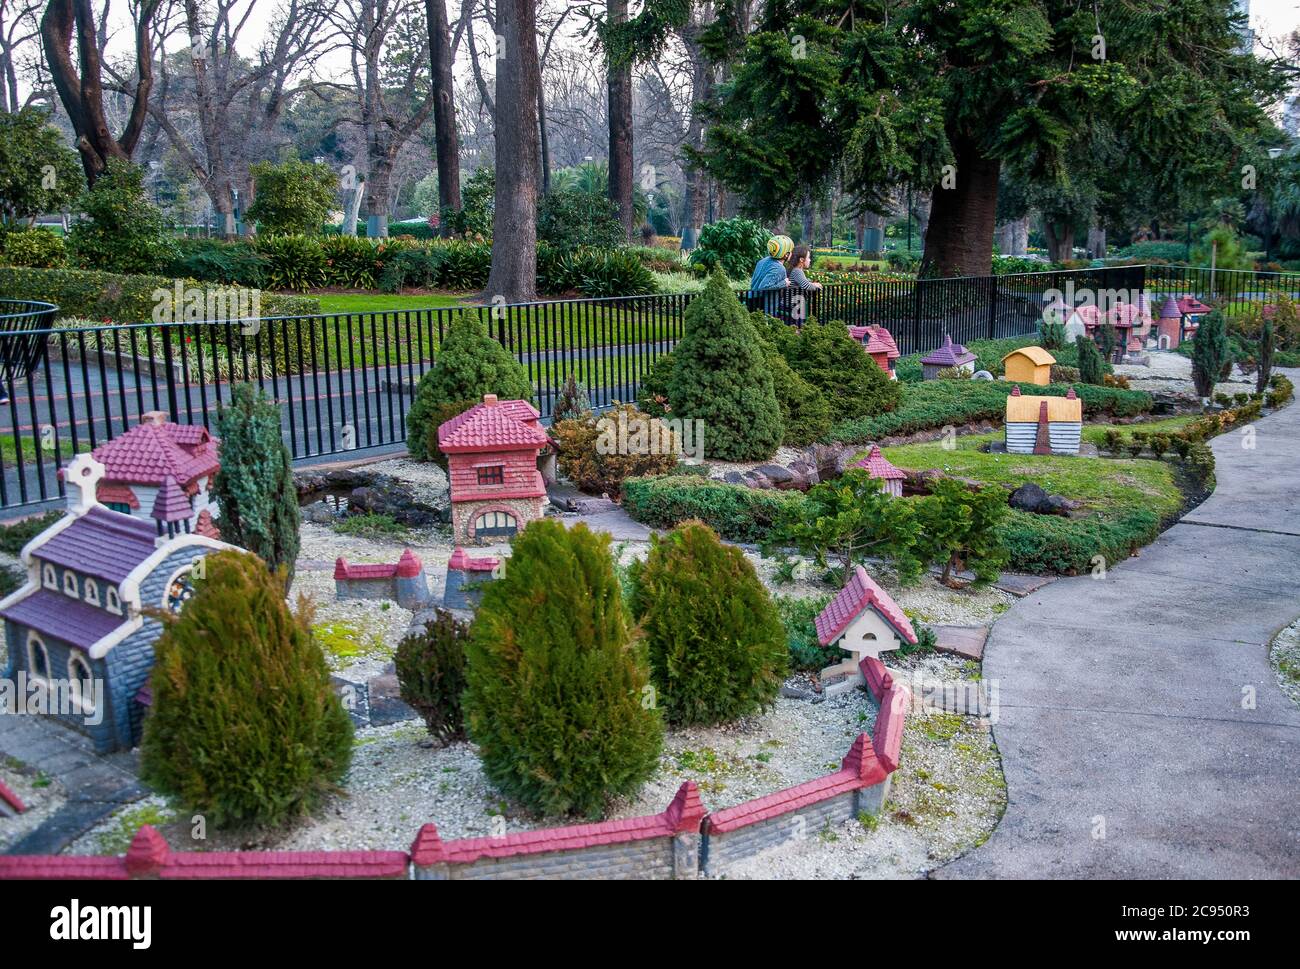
<point x="344" y="382"/>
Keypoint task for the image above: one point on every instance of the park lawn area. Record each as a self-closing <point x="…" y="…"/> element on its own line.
<point x="9" y="450"/>
<point x="384" y="302"/>
<point x="1104" y="485"/>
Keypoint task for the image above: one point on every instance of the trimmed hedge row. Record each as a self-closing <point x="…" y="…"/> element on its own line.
<point x="115" y="298"/>
<point x="736" y="513"/>
<point x="939" y="403"/>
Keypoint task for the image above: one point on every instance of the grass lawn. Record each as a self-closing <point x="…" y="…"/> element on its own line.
<point x="9" y="450"/>
<point x="384" y="302"/>
<point x="1096" y="433"/>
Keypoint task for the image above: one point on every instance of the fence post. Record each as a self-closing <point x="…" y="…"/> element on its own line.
<point x="993" y="307"/>
<point x="173" y="405"/>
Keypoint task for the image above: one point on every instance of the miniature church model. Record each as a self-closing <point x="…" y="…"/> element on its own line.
<point x="78" y="630"/>
<point x="949" y="356"/>
<point x="161" y="473"/>
<point x="1043" y="425"/>
<point x="492" y="451"/>
<point x="865" y="621"/>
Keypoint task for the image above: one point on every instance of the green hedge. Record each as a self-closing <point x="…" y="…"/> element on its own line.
<point x="736" y="513"/>
<point x="110" y="297"/>
<point x="938" y="403"/>
<point x="1050" y="544"/>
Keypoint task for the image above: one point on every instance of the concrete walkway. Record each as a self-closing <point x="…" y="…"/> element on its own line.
<point x="1128" y="737"/>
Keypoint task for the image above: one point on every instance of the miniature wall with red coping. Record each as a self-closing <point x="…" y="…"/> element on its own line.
<point x="661" y="845"/>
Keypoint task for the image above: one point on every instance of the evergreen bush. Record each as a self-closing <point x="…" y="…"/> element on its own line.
<point x="1209" y="353"/>
<point x="556" y="696"/>
<point x="431" y="674"/>
<point x="244" y="728"/>
<point x="571" y="403"/>
<point x="254" y="488"/>
<point x="720" y="376"/>
<point x="592" y="453"/>
<point x="1091" y="370"/>
<point x="829" y="359"/>
<point x="714" y="638"/>
<point x="468" y="364"/>
<point x="123" y="232"/>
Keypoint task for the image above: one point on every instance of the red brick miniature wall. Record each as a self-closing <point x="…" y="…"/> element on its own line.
<point x="677" y="843"/>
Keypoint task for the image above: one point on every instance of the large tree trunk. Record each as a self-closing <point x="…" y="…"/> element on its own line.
<point x="620" y="128"/>
<point x="446" y="141"/>
<point x="1060" y="239"/>
<point x="82" y="93"/>
<point x="1097" y="242"/>
<point x="959" y="237"/>
<point x="378" y="185"/>
<point x="514" y="218"/>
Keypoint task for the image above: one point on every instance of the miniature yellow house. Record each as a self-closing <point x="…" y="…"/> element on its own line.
<point x="1029" y="365"/>
<point x="1043" y="425"/>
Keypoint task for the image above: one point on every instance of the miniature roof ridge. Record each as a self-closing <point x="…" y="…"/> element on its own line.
<point x="879" y="466"/>
<point x="489" y="426"/>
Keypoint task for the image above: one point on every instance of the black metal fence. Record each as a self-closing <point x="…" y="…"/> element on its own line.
<point x="344" y="381"/>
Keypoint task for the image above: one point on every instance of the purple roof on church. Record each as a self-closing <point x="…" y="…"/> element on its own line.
<point x="102" y="543"/>
<point x="171" y="505"/>
<point x="62" y="617"/>
<point x="949" y="355"/>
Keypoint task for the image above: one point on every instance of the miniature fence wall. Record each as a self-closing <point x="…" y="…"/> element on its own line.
<point x="679" y="843"/>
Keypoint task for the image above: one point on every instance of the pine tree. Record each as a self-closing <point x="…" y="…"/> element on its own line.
<point x="1091" y="368"/>
<point x="244" y="727"/>
<point x="832" y="361"/>
<point x="469" y="364"/>
<point x="715" y="641"/>
<point x="556" y="695"/>
<point x="254" y="488"/>
<point x="720" y="377"/>
<point x="1209" y="353"/>
<point x="572" y="404"/>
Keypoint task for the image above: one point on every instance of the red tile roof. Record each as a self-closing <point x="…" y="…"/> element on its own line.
<point x="879" y="680"/>
<point x="60" y="867"/>
<point x="206" y="527"/>
<point x="462" y="561"/>
<point x="878" y="465"/>
<point x="1192" y="305"/>
<point x="791" y="799"/>
<point x="12" y="799"/>
<point x="859" y="593"/>
<point x="887" y="732"/>
<point x="156" y="450"/>
<point x="407" y="565"/>
<point x="1169" y="310"/>
<point x="117" y="492"/>
<point x="103" y="543"/>
<point x="878" y="332"/>
<point x="492" y="426"/>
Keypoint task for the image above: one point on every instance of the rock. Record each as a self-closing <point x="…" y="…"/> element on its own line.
<point x="805" y="474"/>
<point x="780" y="477"/>
<point x="733" y="477"/>
<point x="1030" y="497"/>
<point x="319" y="513"/>
<point x="794" y="693"/>
<point x="981" y="375"/>
<point x="830" y="460"/>
<point x="754" y="479"/>
<point x="1060" y="505"/>
<point x="385" y="495"/>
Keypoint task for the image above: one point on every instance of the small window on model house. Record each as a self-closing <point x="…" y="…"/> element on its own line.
<point x="92" y="592"/>
<point x="121" y="506"/>
<point x="38" y="660"/>
<point x="111" y="601"/>
<point x="70" y="585"/>
<point x="50" y="578"/>
<point x="81" y="686"/>
<point x="494" y="475"/>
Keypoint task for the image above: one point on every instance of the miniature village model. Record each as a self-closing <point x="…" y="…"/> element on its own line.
<point x="878" y="467"/>
<point x="950" y="356"/>
<point x="1029" y="365"/>
<point x="79" y="619"/>
<point x="404" y="581"/>
<point x="1043" y="425"/>
<point x="162" y="473"/>
<point x="492" y="453"/>
<point x="865" y="621"/>
<point x="878" y="343"/>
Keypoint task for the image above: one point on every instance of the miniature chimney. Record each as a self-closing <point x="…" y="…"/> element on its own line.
<point x="1015" y="391"/>
<point x="1071" y="395"/>
<point x="81" y="478"/>
<point x="155" y="417"/>
<point x="489" y="400"/>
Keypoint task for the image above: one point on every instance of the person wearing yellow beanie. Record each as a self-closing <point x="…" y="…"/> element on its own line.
<point x="769" y="272"/>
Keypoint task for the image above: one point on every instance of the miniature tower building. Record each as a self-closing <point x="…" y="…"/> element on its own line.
<point x="492" y="452"/>
<point x="1169" y="327"/>
<point x="879" y="467"/>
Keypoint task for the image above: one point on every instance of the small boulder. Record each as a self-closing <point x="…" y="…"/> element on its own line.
<point x="981" y="375"/>
<point x="755" y="479"/>
<point x="733" y="477"/>
<point x="781" y="477"/>
<point x="1030" y="497"/>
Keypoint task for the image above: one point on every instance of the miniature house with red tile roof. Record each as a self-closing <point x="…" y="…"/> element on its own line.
<point x="492" y="451"/>
<point x="879" y="345"/>
<point x="865" y="621"/>
<point x="162" y="473"/>
<point x="948" y="356"/>
<point x="878" y="467"/>
<point x="79" y="636"/>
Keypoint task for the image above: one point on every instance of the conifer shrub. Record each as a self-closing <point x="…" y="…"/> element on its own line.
<point x="556" y="692"/>
<point x="1210" y="352"/>
<point x="652" y="392"/>
<point x="1091" y="369"/>
<point x="714" y="638"/>
<point x="805" y="412"/>
<point x="469" y="364"/>
<point x="720" y="376"/>
<point x="572" y="402"/>
<point x="597" y="454"/>
<point x="829" y="359"/>
<point x="254" y="488"/>
<point x="244" y="728"/>
<point x="431" y="674"/>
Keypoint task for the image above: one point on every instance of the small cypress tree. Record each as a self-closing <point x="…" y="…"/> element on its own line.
<point x="832" y="361"/>
<point x="720" y="376"/>
<point x="715" y="641"/>
<point x="805" y="411"/>
<point x="469" y="364"/>
<point x="431" y="674"/>
<point x="1265" y="368"/>
<point x="556" y="696"/>
<point x="572" y="404"/>
<point x="1106" y="342"/>
<point x="1209" y="353"/>
<point x="1091" y="368"/>
<point x="254" y="488"/>
<point x="244" y="728"/>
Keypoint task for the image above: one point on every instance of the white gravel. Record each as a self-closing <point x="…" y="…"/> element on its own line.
<point x="41" y="794"/>
<point x="1284" y="655"/>
<point x="1171" y="373"/>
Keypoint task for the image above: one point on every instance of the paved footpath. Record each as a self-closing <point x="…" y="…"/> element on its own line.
<point x="1121" y="700"/>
